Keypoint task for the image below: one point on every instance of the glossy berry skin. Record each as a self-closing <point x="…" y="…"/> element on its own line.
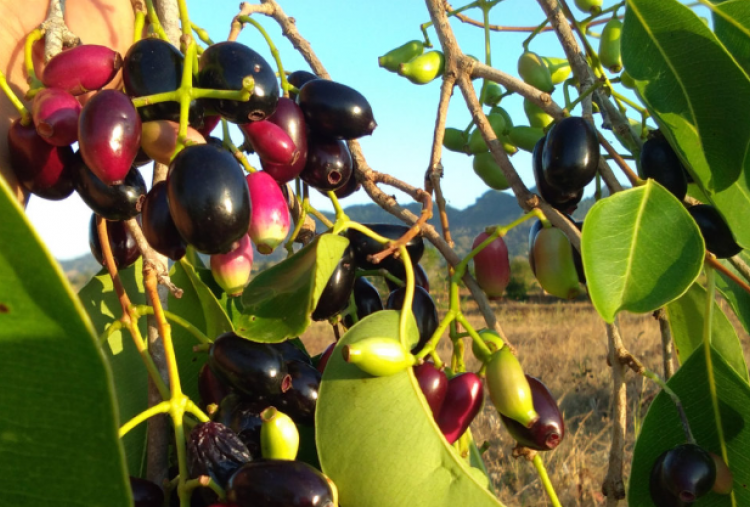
<point x="335" y="295"/>
<point x="420" y="277"/>
<point x="402" y="54"/>
<point x="508" y="388"/>
<point x="324" y="357"/>
<point x="335" y="110"/>
<point x="365" y="246"/>
<point x="158" y="226"/>
<point x="492" y="266"/>
<point x="82" y="68"/>
<point x="424" y="310"/>
<point x="291" y="119"/>
<point x="270" y="142"/>
<point x="208" y="198"/>
<point x="146" y="493"/>
<point x="329" y="164"/>
<point x="549" y="430"/>
<point x="223" y="66"/>
<point x="55" y="113"/>
<point x="242" y="415"/>
<point x="124" y="248"/>
<point x="251" y="368"/>
<point x="351" y="186"/>
<point x="715" y="231"/>
<point x="269" y="215"/>
<point x="159" y="139"/>
<point x="660" y="495"/>
<point x="660" y="162"/>
<point x="209" y="124"/>
<point x="463" y="401"/>
<point x="109" y="135"/>
<point x="688" y="472"/>
<point x="42" y="169"/>
<point x="279" y="438"/>
<point x="366" y="299"/>
<point x="563" y="201"/>
<point x="210" y="388"/>
<point x="232" y="269"/>
<point x="279" y="483"/>
<point x="571" y="154"/>
<point x="551" y="259"/>
<point x="433" y="383"/>
<point x="423" y="68"/>
<point x="216" y="451"/>
<point x="534" y="71"/>
<point x="114" y="202"/>
<point x="489" y="171"/>
<point x="298" y="78"/>
<point x="291" y="352"/>
<point x="300" y="399"/>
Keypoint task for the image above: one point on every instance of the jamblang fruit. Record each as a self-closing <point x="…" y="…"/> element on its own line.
<point x="378" y="356"/>
<point x="124" y="248"/>
<point x="660" y="495"/>
<point x="571" y="154"/>
<point x="335" y="110"/>
<point x="55" y="114"/>
<point x="120" y="201"/>
<point x="688" y="472"/>
<point x="433" y="383"/>
<point x="395" y="57"/>
<point x="552" y="262"/>
<point x="82" y="68"/>
<point x="423" y="307"/>
<point x="300" y="400"/>
<point x="558" y="199"/>
<point x="270" y="142"/>
<point x="609" y="45"/>
<point x="364" y="246"/>
<point x="463" y="401"/>
<point x="366" y="299"/>
<point x="537" y="117"/>
<point x="329" y="164"/>
<point x="534" y="71"/>
<point x="216" y="451"/>
<point x="715" y="231"/>
<point x="489" y="171"/>
<point x="509" y="390"/>
<point x="492" y="266"/>
<point x="279" y="438"/>
<point x="298" y="78"/>
<point x="291" y="119"/>
<point x="280" y="483"/>
<point x="423" y="68"/>
<point x="335" y="295"/>
<point x="660" y="162"/>
<point x="232" y="270"/>
<point x="269" y="216"/>
<point x="158" y="226"/>
<point x="159" y="139"/>
<point x="549" y="430"/>
<point x="146" y="493"/>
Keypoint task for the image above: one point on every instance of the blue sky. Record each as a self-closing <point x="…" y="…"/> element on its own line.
<point x="348" y="40"/>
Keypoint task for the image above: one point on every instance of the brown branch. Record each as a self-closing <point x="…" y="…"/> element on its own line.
<point x="56" y="33"/>
<point x="632" y="177"/>
<point x="245" y="10"/>
<point x="740" y="266"/>
<point x="393" y="246"/>
<point x="168" y="13"/>
<point x="151" y="257"/>
<point x="667" y="349"/>
<point x="109" y="263"/>
<point x="613" y="486"/>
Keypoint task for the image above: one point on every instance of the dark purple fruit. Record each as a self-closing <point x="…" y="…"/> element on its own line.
<point x="715" y="231"/>
<point x="124" y="248"/>
<point x="434" y="385"/>
<point x="109" y="135"/>
<point x="351" y="186"/>
<point x="571" y="154"/>
<point x="660" y="495"/>
<point x="420" y="277"/>
<point x="298" y="78"/>
<point x="279" y="483"/>
<point x="661" y="163"/>
<point x="291" y="352"/>
<point x="688" y="472"/>
<point x="208" y="198"/>
<point x="549" y="430"/>
<point x="563" y="201"/>
<point x="155" y="66"/>
<point x="82" y="69"/>
<point x="251" y="368"/>
<point x="55" y="114"/>
<point x="335" y="295"/>
<point x="365" y="246"/>
<point x="216" y="451"/>
<point x="463" y="401"/>
<point x="243" y="417"/>
<point x="329" y="164"/>
<point x="42" y="169"/>
<point x="223" y="66"/>
<point x="146" y="493"/>
<point x="158" y="226"/>
<point x="210" y="388"/>
<point x="335" y="110"/>
<point x="366" y="298"/>
<point x="120" y="201"/>
<point x="300" y="400"/>
<point x="424" y="310"/>
<point x="324" y="357"/>
<point x="291" y="119"/>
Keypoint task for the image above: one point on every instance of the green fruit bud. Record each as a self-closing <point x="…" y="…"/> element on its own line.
<point x="508" y="146"/>
<point x="589" y="6"/>
<point x="534" y="71"/>
<point x="279" y="438"/>
<point x="402" y="54"/>
<point x="455" y="140"/>
<point x="502" y="112"/>
<point x="559" y="68"/>
<point x="423" y="68"/>
<point x="487" y="169"/>
<point x="536" y="115"/>
<point x="476" y="141"/>
<point x="627" y="80"/>
<point x="379" y="356"/>
<point x="525" y="137"/>
<point x="609" y="45"/>
<point x="554" y="267"/>
<point x="509" y="390"/>
<point x="491" y="339"/>
<point x="491" y="94"/>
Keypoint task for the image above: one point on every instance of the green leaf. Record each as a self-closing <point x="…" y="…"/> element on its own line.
<point x="732" y="27"/>
<point x="641" y="249"/>
<point x="737" y="297"/>
<point x="278" y="302"/>
<point x="377" y="438"/>
<point x="662" y="429"/>
<point x="58" y="429"/>
<point x="686" y="317"/>
<point x="693" y="88"/>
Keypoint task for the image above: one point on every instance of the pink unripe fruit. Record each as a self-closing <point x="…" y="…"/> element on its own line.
<point x="82" y="69"/>
<point x="55" y="114"/>
<point x="269" y="218"/>
<point x="492" y="266"/>
<point x="270" y="142"/>
<point x="232" y="270"/>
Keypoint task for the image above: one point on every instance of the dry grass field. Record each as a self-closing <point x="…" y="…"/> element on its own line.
<point x="565" y="345"/>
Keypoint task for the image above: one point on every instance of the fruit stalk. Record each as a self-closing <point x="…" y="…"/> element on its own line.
<point x="153" y="20"/>
<point x="271" y="46"/>
<point x="28" y="57"/>
<point x="25" y="116"/>
<point x="160" y="408"/>
<point x="539" y="465"/>
<point x="141" y="310"/>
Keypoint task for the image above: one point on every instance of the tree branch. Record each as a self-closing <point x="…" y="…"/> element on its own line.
<point x="614" y="485"/>
<point x="57" y="34"/>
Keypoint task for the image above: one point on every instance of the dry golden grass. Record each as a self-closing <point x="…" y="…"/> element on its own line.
<point x="565" y="345"/>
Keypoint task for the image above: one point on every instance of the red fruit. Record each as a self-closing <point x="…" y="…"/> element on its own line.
<point x="324" y="357"/>
<point x="210" y="388"/>
<point x="434" y="385"/>
<point x="82" y="69"/>
<point x="549" y="430"/>
<point x="40" y="167"/>
<point x="232" y="270"/>
<point x="463" y="401"/>
<point x="291" y="119"/>
<point x="270" y="142"/>
<point x="109" y="135"/>
<point x="55" y="114"/>
<point x="492" y="266"/>
<point x="269" y="215"/>
<point x="209" y="124"/>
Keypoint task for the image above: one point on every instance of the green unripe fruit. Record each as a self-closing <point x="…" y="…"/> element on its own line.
<point x="476" y="141"/>
<point x="609" y="45"/>
<point x="491" y="339"/>
<point x="509" y="390"/>
<point x="486" y="168"/>
<point x="402" y="54"/>
<point x="627" y="80"/>
<point x="455" y="140"/>
<point x="491" y="94"/>
<point x="502" y="112"/>
<point x="525" y="137"/>
<point x="379" y="356"/>
<point x="508" y="146"/>
<point x="589" y="6"/>
<point x="534" y="71"/>
<point x="536" y="115"/>
<point x="279" y="438"/>
<point x="559" y="68"/>
<point x="553" y="263"/>
<point x="424" y="68"/>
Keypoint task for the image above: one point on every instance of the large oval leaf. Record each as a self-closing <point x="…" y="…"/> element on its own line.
<point x="732" y="27"/>
<point x="641" y="249"/>
<point x="377" y="438"/>
<point x="662" y="429"/>
<point x="58" y="428"/>
<point x="737" y="297"/>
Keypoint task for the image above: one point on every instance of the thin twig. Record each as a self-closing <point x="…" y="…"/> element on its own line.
<point x="667" y="349"/>
<point x="740" y="265"/>
<point x="393" y="246"/>
<point x="57" y="34"/>
<point x="613" y="486"/>
<point x="632" y="177"/>
<point x="714" y="263"/>
<point x="151" y="257"/>
<point x="109" y="263"/>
